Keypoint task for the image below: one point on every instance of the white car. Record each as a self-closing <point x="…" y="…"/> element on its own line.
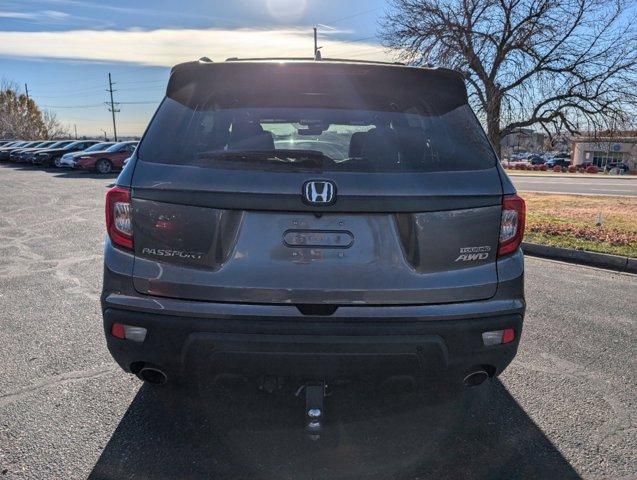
<point x="68" y="159"/>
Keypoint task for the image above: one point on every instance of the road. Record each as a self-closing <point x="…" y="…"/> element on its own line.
<point x="584" y="185"/>
<point x="565" y="408"/>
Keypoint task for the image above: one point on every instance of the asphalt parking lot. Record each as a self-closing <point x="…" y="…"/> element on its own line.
<point x="564" y="409"/>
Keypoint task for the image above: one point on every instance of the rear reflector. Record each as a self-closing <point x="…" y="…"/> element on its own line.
<point x="117" y="330"/>
<point x="498" y="337"/>
<point x="508" y="335"/>
<point x="512" y="224"/>
<point x="119" y="223"/>
<point x="128" y="332"/>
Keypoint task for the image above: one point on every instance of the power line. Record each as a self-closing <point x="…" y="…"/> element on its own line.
<point x="146" y="87"/>
<point x="92" y="91"/>
<point x="70" y="94"/>
<point x="144" y="81"/>
<point x="359" y="39"/>
<point x="364" y="12"/>
<point x="363" y="53"/>
<point x="84" y="89"/>
<point x="71" y="82"/>
<point x="93" y="105"/>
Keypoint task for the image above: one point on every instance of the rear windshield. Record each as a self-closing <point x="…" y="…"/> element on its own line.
<point x="98" y="147"/>
<point x="118" y="147"/>
<point x="61" y="144"/>
<point x="341" y="125"/>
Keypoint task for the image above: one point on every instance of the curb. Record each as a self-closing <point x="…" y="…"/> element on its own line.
<point x="582" y="257"/>
<point x="573" y="175"/>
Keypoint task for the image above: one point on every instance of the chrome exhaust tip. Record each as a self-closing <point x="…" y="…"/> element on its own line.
<point x="475" y="378"/>
<point x="153" y="375"/>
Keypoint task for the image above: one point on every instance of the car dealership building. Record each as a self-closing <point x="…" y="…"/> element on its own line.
<point x="602" y="150"/>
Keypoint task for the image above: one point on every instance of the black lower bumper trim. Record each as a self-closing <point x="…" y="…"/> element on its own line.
<point x="311" y="348"/>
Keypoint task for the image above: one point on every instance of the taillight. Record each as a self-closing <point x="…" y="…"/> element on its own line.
<point x="119" y="224"/>
<point x="512" y="224"/>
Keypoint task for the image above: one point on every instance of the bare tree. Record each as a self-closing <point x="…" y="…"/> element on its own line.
<point x="528" y="63"/>
<point x="52" y="126"/>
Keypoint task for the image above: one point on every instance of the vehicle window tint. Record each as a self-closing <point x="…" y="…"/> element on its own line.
<point x="96" y="147"/>
<point x="115" y="148"/>
<point x="330" y="139"/>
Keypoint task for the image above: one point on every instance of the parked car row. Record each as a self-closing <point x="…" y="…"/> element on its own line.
<point x="93" y="155"/>
<point x="561" y="159"/>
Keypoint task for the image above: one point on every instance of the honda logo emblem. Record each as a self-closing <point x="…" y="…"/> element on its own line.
<point x="319" y="192"/>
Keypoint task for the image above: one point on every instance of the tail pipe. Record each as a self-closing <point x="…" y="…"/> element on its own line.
<point x="475" y="378"/>
<point x="153" y="375"/>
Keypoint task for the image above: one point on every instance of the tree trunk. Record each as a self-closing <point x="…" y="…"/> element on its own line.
<point x="493" y="123"/>
<point x="493" y="131"/>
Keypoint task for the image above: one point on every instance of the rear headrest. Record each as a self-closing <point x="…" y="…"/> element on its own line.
<point x="247" y="135"/>
<point x="356" y="145"/>
<point x="380" y="148"/>
<point x="412" y="143"/>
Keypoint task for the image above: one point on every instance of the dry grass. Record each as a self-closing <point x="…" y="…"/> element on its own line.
<point x="571" y="221"/>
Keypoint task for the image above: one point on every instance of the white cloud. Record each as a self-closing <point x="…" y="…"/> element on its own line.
<point x="41" y="15"/>
<point x="167" y="47"/>
<point x="18" y="15"/>
<point x="55" y="14"/>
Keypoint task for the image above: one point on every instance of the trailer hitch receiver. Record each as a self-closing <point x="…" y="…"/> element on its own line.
<point x="314" y="395"/>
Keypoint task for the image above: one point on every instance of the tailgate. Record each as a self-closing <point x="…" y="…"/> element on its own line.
<point x="429" y="238"/>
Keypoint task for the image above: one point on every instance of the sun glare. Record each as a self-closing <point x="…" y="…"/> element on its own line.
<point x="287" y="11"/>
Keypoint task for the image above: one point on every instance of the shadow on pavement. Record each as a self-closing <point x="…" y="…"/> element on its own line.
<point x="480" y="433"/>
<point x="63" y="172"/>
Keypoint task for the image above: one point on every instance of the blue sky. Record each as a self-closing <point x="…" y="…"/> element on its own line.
<point x="64" y="49"/>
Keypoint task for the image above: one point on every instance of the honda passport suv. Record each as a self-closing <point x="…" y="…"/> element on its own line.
<point x="312" y="221"/>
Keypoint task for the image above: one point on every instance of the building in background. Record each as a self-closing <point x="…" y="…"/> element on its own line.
<point x="560" y="142"/>
<point x="606" y="149"/>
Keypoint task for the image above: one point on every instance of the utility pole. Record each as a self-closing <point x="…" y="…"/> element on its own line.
<point x="317" y="49"/>
<point x="104" y="131"/>
<point x="26" y="88"/>
<point x="75" y="127"/>
<point x="112" y="108"/>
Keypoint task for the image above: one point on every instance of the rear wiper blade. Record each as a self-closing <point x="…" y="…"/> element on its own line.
<point x="305" y="158"/>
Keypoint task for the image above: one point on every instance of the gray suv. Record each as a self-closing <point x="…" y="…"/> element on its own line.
<point x="313" y="221"/>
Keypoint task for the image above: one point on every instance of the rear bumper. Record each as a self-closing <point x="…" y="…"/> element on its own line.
<point x="255" y="340"/>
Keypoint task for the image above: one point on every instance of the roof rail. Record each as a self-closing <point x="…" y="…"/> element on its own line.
<point x="205" y="60"/>
<point x="309" y="59"/>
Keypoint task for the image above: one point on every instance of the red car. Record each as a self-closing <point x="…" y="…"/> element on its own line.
<point x="107" y="160"/>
